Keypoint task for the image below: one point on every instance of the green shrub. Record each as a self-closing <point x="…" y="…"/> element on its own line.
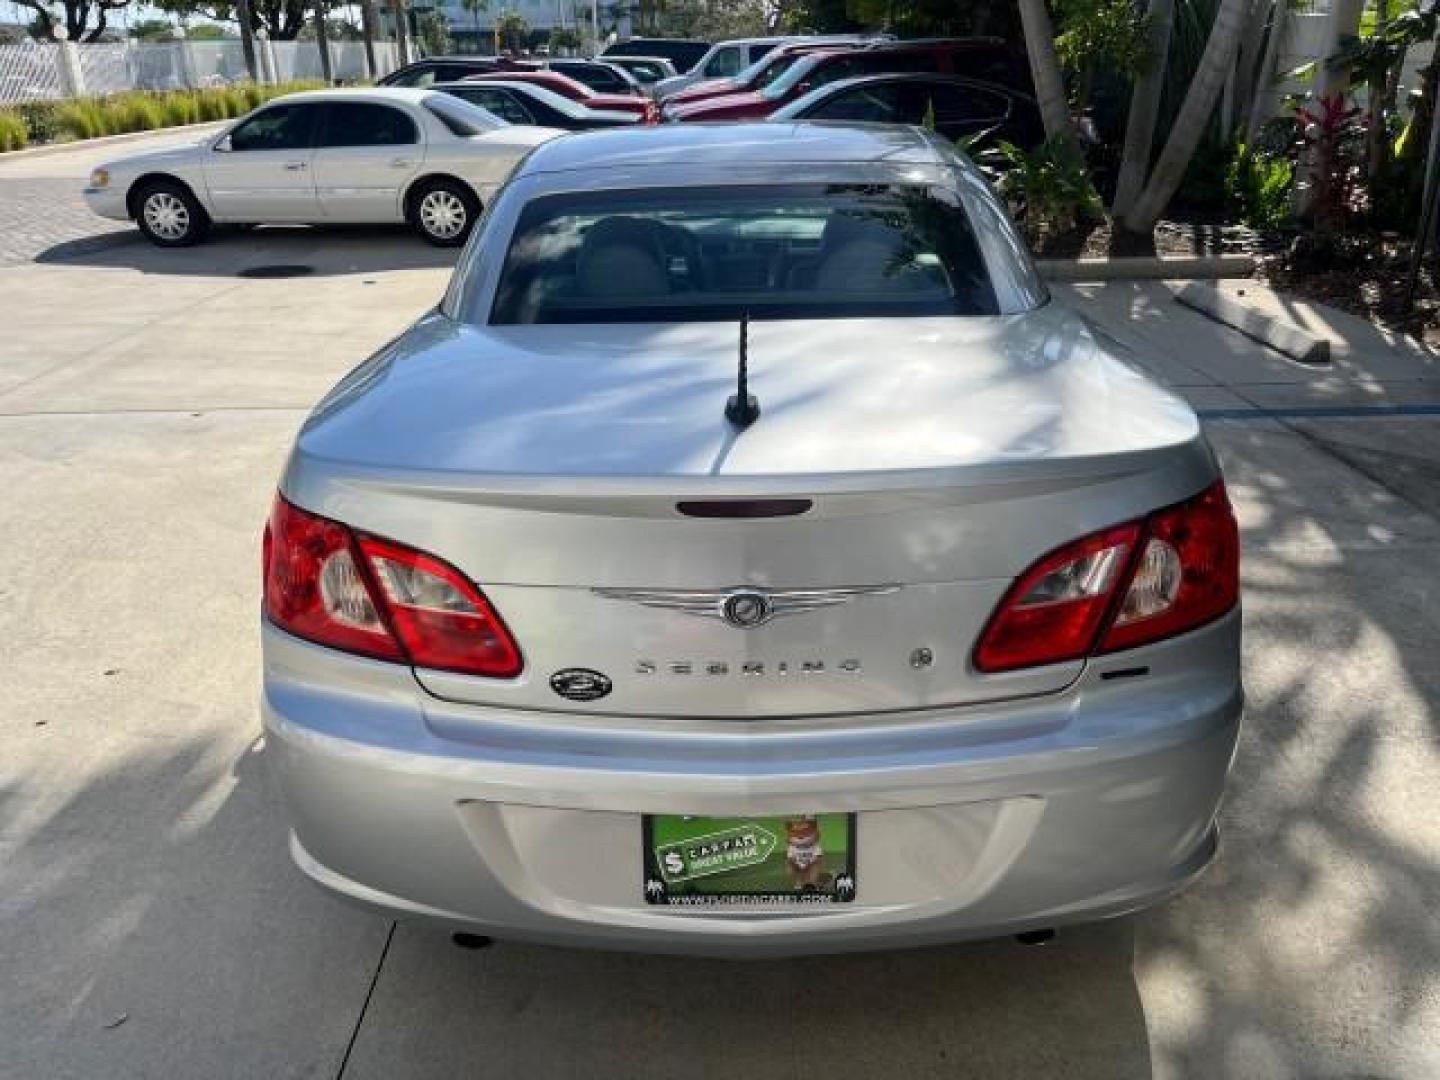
<point x="134" y="110"/>
<point x="181" y="107"/>
<point x="254" y="95"/>
<point x="1050" y="185"/>
<point x="213" y="103"/>
<point x="80" y="118"/>
<point x="1258" y="188"/>
<point x="14" y="133"/>
<point x="39" y="117"/>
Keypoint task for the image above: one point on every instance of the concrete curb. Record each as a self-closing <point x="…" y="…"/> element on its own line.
<point x="1148" y="267"/>
<point x="1298" y="344"/>
<point x="106" y="140"/>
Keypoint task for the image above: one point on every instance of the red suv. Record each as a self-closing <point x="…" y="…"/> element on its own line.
<point x="758" y="75"/>
<point x="987" y="59"/>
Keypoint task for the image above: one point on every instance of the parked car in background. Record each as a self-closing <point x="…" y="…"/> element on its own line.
<point x="385" y="154"/>
<point x="446" y="69"/>
<point x="957" y="107"/>
<point x="757" y="76"/>
<point x="529" y="103"/>
<point x="647" y="70"/>
<point x="684" y="53"/>
<point x="986" y="59"/>
<point x="565" y="86"/>
<point x="724" y="60"/>
<point x="598" y="75"/>
<point x="930" y="630"/>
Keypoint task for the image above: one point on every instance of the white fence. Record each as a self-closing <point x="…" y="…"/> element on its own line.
<point x="46" y="70"/>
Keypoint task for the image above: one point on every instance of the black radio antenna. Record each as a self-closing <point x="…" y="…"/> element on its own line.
<point x="743" y="408"/>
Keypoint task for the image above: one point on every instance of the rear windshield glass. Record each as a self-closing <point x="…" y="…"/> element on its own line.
<point x="699" y="254"/>
<point x="461" y="117"/>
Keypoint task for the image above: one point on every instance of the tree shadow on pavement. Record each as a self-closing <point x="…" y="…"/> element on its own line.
<point x="1311" y="947"/>
<point x="325" y="250"/>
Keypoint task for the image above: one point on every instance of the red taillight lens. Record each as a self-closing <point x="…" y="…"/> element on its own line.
<point x="362" y="594"/>
<point x="1188" y="572"/>
<point x="1172" y="572"/>
<point x="1056" y="608"/>
<point x="314" y="587"/>
<point x="442" y="619"/>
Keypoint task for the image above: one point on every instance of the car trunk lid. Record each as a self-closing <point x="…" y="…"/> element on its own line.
<point x="587" y="480"/>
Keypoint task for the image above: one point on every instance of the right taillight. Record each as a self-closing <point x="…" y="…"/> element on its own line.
<point x="1187" y="574"/>
<point x="1125" y="586"/>
<point x="360" y="593"/>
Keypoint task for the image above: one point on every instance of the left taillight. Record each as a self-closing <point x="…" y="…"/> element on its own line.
<point x="338" y="587"/>
<point x="1122" y="587"/>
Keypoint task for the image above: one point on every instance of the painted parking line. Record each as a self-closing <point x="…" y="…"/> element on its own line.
<point x="1318" y="412"/>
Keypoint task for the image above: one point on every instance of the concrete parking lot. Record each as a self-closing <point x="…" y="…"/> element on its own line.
<point x="150" y="922"/>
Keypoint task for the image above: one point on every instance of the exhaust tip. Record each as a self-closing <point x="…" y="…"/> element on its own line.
<point x="472" y="941"/>
<point x="1036" y="937"/>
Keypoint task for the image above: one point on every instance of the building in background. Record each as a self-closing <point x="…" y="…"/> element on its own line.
<point x="474" y="31"/>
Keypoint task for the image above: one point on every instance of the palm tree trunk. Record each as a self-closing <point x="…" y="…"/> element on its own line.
<point x="1260" y="94"/>
<point x="1375" y="132"/>
<point x="1144" y="107"/>
<point x="1045" y="72"/>
<point x="1195" y="113"/>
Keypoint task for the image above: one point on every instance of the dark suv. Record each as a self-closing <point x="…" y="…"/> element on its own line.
<point x="987" y="59"/>
<point x="684" y="53"/>
<point x="441" y="69"/>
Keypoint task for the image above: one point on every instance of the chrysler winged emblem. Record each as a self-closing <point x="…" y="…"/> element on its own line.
<point x="743" y="607"/>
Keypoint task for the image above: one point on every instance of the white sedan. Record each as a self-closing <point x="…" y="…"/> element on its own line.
<point x="330" y="156"/>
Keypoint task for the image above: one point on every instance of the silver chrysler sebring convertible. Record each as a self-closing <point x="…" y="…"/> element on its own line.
<point x="748" y="558"/>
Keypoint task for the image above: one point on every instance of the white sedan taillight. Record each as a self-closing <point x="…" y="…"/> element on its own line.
<point x="1124" y="586"/>
<point x="329" y="584"/>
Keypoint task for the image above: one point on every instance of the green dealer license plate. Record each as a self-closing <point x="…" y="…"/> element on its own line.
<point x="716" y="861"/>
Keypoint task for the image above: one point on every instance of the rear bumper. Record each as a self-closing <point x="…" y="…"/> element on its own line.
<point x="972" y="822"/>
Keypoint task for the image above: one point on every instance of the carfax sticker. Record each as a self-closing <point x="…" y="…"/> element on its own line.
<point x="797" y="859"/>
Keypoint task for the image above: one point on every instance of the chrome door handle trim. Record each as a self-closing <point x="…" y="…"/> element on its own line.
<point x="295" y="166"/>
<point x="400" y="163"/>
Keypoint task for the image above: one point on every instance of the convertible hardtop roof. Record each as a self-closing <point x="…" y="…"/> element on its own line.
<point x="726" y="147"/>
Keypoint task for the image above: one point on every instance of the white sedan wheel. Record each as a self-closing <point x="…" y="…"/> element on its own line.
<point x="443" y="215"/>
<point x="167" y="215"/>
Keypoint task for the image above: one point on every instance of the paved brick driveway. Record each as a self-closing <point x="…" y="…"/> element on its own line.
<point x="45" y="215"/>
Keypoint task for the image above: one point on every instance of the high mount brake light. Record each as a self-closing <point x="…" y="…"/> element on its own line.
<point x="359" y="593"/>
<point x="1124" y="586"/>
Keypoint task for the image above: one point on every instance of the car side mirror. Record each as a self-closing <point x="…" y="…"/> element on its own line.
<point x="222" y="144"/>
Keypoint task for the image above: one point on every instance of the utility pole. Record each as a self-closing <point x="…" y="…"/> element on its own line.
<point x="247" y="38"/>
<point x="595" y="26"/>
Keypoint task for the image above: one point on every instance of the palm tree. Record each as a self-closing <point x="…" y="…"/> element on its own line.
<point x="1231" y="18"/>
<point x="1144" y="106"/>
<point x="511" y="28"/>
<point x="475" y="7"/>
<point x="1045" y="72"/>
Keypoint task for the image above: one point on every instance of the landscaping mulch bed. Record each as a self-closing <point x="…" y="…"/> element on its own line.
<point x="1365" y="275"/>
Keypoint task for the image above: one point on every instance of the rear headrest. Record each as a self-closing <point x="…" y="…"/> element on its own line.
<point x="623" y="257"/>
